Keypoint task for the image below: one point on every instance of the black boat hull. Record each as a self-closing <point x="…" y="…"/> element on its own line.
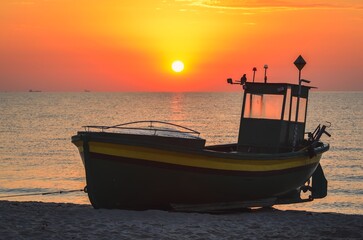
<point x="138" y="177"/>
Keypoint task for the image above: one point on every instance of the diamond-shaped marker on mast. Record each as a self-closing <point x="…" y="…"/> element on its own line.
<point x="300" y="62"/>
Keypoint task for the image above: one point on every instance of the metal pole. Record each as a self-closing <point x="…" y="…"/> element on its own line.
<point x="265" y="67"/>
<point x="298" y="98"/>
<point x="297" y="112"/>
<point x="254" y="73"/>
<point x="299" y="63"/>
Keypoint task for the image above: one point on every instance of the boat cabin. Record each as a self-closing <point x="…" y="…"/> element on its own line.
<point x="268" y="119"/>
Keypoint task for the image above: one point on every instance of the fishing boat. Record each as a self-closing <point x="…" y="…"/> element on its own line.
<point x="161" y="165"/>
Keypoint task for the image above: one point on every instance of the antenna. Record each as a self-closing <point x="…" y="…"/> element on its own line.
<point x="254" y="73"/>
<point x="265" y="67"/>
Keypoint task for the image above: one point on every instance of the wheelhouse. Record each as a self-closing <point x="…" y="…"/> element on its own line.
<point x="273" y="117"/>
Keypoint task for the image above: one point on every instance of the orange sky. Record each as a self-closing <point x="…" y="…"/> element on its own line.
<point x="114" y="45"/>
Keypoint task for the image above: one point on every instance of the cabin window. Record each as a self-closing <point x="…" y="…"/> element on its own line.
<point x="265" y="106"/>
<point x="287" y="104"/>
<point x="302" y="109"/>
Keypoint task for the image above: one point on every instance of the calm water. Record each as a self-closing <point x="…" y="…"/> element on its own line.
<point x="36" y="154"/>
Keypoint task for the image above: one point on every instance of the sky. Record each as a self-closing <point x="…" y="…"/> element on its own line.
<point x="118" y="45"/>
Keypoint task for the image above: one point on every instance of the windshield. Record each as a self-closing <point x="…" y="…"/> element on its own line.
<point x="265" y="106"/>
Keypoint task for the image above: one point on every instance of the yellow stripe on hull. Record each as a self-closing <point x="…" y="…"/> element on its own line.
<point x="199" y="160"/>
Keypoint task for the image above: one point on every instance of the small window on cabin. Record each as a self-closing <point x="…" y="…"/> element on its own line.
<point x="265" y="106"/>
<point x="287" y="104"/>
<point x="302" y="109"/>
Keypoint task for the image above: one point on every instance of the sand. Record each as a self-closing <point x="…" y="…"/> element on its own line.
<point x="37" y="220"/>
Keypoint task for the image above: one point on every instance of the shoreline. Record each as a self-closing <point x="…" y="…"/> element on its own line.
<point x="39" y="220"/>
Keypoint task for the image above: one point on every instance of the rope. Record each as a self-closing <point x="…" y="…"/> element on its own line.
<point x="44" y="193"/>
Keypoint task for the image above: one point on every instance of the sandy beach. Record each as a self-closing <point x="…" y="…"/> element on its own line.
<point x="37" y="220"/>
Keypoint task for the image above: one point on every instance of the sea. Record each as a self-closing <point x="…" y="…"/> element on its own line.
<point x="38" y="162"/>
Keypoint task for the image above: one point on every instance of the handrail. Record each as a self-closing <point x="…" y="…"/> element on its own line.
<point x="150" y="127"/>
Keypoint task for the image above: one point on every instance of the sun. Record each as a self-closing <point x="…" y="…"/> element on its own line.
<point x="177" y="66"/>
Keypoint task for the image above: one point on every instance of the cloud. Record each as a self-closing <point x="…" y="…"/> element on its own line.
<point x="24" y="2"/>
<point x="273" y="5"/>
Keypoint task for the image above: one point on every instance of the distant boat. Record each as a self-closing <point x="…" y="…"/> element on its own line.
<point x="34" y="90"/>
<point x="86" y="90"/>
<point x="160" y="165"/>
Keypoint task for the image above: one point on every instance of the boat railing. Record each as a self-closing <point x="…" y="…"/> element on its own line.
<point x="151" y="128"/>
